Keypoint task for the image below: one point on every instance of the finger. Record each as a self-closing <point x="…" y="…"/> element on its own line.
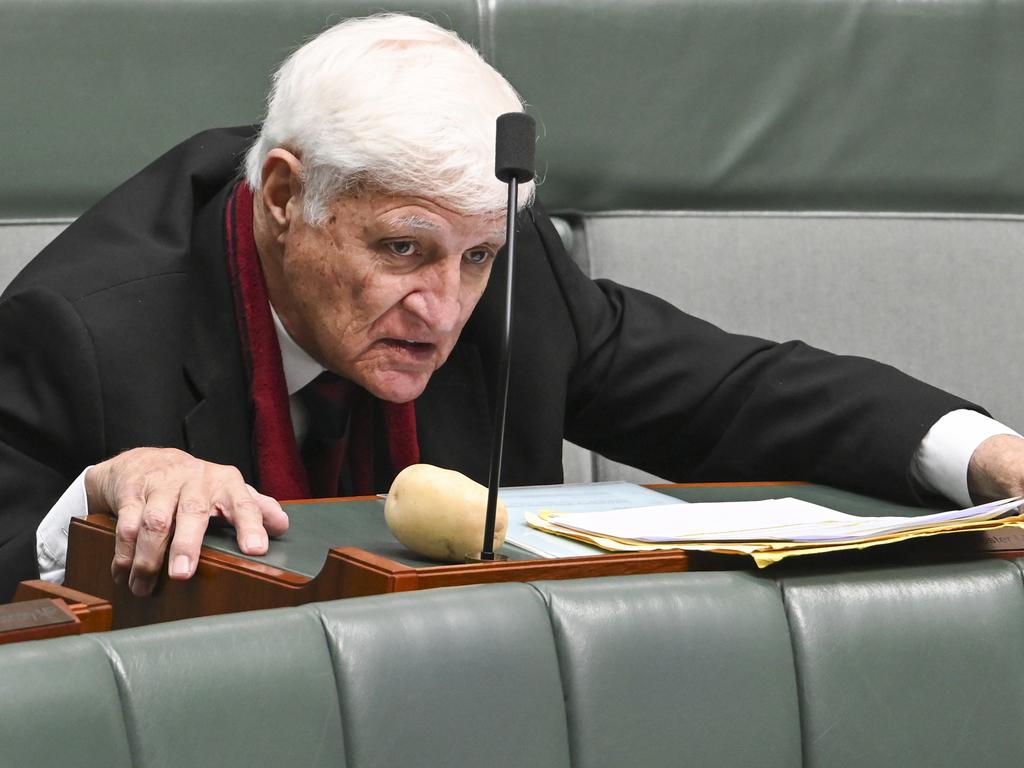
<point x="129" y="515"/>
<point x="154" y="534"/>
<point x="242" y="511"/>
<point x="193" y="516"/>
<point x="275" y="519"/>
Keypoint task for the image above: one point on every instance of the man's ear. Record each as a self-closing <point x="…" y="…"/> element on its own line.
<point x="281" y="191"/>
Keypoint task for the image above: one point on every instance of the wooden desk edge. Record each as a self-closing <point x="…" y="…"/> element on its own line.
<point x="347" y="572"/>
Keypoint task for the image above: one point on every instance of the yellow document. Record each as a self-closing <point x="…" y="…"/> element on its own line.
<point x="769" y="530"/>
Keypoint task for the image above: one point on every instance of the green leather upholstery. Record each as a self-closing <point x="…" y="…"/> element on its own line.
<point x="654" y="674"/>
<point x="61" y="706"/>
<point x="651" y="104"/>
<point x="913" y="667"/>
<point x="92" y="91"/>
<point x="448" y="678"/>
<point x="772" y="104"/>
<point x="245" y="690"/>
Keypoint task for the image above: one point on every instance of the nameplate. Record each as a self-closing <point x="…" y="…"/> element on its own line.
<point x="1007" y="539"/>
<point x="32" y="613"/>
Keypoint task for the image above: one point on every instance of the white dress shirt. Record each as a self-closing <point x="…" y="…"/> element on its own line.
<point x="939" y="464"/>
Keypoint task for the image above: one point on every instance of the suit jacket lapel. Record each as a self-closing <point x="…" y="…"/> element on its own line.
<point x="218" y="427"/>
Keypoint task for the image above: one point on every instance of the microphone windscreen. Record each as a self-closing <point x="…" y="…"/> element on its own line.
<point x="515" y="146"/>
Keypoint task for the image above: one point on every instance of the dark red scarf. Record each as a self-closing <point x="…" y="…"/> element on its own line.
<point x="279" y="466"/>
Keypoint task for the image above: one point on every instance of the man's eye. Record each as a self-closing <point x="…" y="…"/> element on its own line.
<point x="402" y="247"/>
<point x="477" y="256"/>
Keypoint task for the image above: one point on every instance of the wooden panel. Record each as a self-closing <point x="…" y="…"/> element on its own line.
<point x="224" y="583"/>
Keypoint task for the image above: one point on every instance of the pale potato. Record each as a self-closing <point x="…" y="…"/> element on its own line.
<point x="440" y="513"/>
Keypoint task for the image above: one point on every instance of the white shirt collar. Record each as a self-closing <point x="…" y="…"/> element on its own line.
<point x="299" y="367"/>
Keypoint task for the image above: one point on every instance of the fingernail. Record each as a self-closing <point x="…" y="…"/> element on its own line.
<point x="254" y="542"/>
<point x="181" y="566"/>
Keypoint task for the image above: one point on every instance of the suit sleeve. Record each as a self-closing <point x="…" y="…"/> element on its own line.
<point x="50" y="419"/>
<point x="659" y="389"/>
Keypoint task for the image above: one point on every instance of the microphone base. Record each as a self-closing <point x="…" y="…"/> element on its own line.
<point x="478" y="558"/>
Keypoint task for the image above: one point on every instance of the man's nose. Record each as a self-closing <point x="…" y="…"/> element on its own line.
<point x="437" y="302"/>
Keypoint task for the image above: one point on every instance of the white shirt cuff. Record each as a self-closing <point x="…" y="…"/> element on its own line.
<point x="52" y="533"/>
<point x="940" y="463"/>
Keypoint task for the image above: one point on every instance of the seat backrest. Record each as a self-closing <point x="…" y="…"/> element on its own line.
<point x="93" y="91"/>
<point x="914" y="666"/>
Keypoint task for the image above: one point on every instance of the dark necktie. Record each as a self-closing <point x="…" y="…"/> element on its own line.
<point x="328" y="401"/>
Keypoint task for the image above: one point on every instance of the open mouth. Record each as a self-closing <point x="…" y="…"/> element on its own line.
<point x="411" y="347"/>
<point x="409" y="343"/>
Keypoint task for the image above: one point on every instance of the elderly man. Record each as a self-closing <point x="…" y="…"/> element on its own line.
<point x="201" y="345"/>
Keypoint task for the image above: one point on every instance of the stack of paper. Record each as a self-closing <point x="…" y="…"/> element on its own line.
<point x="767" y="530"/>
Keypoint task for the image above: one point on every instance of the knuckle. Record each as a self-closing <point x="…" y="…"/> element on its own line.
<point x="145" y="565"/>
<point x="246" y="508"/>
<point x="193" y="507"/>
<point x="130" y="491"/>
<point x="122" y="559"/>
<point x="126" y="530"/>
<point x="155" y="523"/>
<point x="226" y="475"/>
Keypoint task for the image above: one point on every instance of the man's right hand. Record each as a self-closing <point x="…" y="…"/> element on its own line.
<point x="165" y="497"/>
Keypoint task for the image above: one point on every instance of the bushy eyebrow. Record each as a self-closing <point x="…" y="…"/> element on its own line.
<point x="414" y="222"/>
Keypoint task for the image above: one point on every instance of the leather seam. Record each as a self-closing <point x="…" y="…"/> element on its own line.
<point x="561" y="676"/>
<point x="485" y="26"/>
<point x="346" y="749"/>
<point x="798" y="688"/>
<point x="127" y="713"/>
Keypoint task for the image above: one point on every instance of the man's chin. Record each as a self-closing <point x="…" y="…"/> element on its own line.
<point x="396" y="387"/>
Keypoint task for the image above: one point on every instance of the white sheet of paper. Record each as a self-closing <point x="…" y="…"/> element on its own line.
<point x="769" y="520"/>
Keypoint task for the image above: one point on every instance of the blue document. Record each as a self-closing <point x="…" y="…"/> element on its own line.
<point x="576" y="497"/>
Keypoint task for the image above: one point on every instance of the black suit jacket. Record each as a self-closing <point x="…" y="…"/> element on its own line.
<point x="122" y="333"/>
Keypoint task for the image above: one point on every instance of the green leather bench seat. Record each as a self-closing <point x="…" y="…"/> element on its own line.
<point x="914" y="666"/>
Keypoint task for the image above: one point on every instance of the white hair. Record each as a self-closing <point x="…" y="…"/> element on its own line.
<point x="390" y="103"/>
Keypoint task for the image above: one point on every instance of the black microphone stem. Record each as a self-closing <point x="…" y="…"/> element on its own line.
<point x="501" y="400"/>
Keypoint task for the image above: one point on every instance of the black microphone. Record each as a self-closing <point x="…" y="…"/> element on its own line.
<point x="515" y="145"/>
<point x="514" y="148"/>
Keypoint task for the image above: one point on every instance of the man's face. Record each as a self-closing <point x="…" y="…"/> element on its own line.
<point x="380" y="293"/>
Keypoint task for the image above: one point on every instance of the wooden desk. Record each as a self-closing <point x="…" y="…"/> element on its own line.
<point x="303" y="566"/>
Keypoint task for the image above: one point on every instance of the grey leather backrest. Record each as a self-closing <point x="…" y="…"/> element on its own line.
<point x="21" y="240"/>
<point x="934" y="295"/>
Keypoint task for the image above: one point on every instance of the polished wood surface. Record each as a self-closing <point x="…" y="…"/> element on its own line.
<point x="224" y="583"/>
